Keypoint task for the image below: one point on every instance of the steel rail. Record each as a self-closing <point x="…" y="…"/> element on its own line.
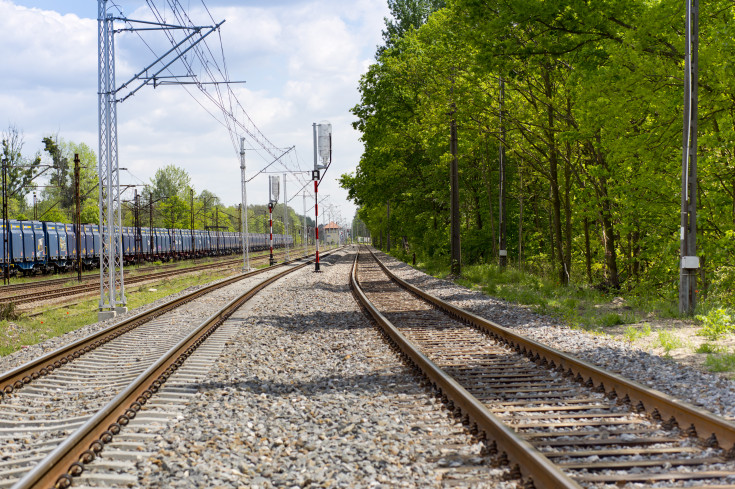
<point x="542" y="472"/>
<point x="79" y="289"/>
<point x="717" y="431"/>
<point x="24" y="374"/>
<point x="68" y="459"/>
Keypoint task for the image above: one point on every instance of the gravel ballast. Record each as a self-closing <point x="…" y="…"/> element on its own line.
<point x="307" y="394"/>
<point x="709" y="391"/>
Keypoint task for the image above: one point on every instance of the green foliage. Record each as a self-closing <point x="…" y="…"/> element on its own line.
<point x="8" y="311"/>
<point x="668" y="341"/>
<point x="716" y="323"/>
<point x="710" y="348"/>
<point x="21" y="169"/>
<point x="170" y="181"/>
<point x="632" y="334"/>
<point x="724" y="362"/>
<point x="595" y="171"/>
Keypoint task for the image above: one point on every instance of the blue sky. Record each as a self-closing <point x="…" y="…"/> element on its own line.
<point x="302" y="61"/>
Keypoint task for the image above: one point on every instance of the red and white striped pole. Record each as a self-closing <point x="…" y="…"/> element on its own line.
<point x="316" y="221"/>
<point x="270" y="223"/>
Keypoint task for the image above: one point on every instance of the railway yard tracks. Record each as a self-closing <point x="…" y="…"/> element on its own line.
<point x="87" y="414"/>
<point x="34" y="293"/>
<point x="59" y="411"/>
<point x="564" y="422"/>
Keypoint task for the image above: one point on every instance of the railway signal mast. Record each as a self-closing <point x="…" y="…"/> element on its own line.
<point x="112" y="287"/>
<point x="323" y="152"/>
<point x="274" y="186"/>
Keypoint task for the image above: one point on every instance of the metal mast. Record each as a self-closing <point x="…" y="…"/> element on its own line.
<point x="285" y="216"/>
<point x="244" y="209"/>
<point x="112" y="287"/>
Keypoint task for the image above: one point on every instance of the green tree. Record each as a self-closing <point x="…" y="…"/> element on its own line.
<point x="21" y="169"/>
<point x="169" y="181"/>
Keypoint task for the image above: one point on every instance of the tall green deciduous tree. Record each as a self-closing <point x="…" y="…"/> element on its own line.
<point x="59" y="193"/>
<point x="593" y="117"/>
<point x="21" y="169"/>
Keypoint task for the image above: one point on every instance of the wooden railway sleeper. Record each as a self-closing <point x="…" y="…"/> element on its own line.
<point x="113" y="429"/>
<point x="488" y="422"/>
<point x="579" y="366"/>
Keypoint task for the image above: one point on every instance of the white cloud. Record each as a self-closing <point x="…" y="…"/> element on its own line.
<point x="302" y="62"/>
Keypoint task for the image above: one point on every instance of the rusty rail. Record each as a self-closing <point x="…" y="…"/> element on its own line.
<point x="542" y="472"/>
<point x="715" y="430"/>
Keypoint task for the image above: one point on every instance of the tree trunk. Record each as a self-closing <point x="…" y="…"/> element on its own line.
<point x="568" y="214"/>
<point x="587" y="254"/>
<point x="554" y="181"/>
<point x="608" y="241"/>
<point x="488" y="184"/>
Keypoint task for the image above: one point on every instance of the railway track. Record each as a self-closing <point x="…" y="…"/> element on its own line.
<point x="40" y="282"/>
<point x="563" y="421"/>
<point x="58" y="412"/>
<point x="62" y="289"/>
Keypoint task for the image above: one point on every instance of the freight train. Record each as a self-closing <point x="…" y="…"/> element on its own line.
<point x="46" y="247"/>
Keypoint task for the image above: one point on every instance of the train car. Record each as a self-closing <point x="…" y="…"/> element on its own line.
<point x="71" y="245"/>
<point x="36" y="246"/>
<point x="88" y="260"/>
<point x="54" y="235"/>
<point x="39" y="242"/>
<point x="185" y="237"/>
<point x="198" y="243"/>
<point x="64" y="261"/>
<point x="28" y="244"/>
<point x="165" y="243"/>
<point x="206" y="243"/>
<point x="16" y="245"/>
<point x="145" y="243"/>
<point x="128" y="251"/>
<point x="96" y="244"/>
<point x="4" y="257"/>
<point x="173" y="237"/>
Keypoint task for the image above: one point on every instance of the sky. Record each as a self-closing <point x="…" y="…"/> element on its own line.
<point x="301" y="61"/>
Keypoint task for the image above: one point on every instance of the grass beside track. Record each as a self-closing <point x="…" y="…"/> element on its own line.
<point x="628" y="316"/>
<point x="55" y="321"/>
<point x="52" y="322"/>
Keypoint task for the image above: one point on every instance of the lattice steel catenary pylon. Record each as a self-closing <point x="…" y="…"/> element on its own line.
<point x="112" y="286"/>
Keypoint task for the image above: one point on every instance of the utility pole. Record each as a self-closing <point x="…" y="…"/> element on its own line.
<point x="243" y="187"/>
<point x="303" y="230"/>
<point x="138" y="236"/>
<point x="520" y="220"/>
<point x="285" y="216"/>
<point x="689" y="263"/>
<point x="193" y="242"/>
<point x="35" y="207"/>
<point x="6" y="229"/>
<point x="502" y="252"/>
<point x="456" y="264"/>
<point x="78" y="230"/>
<point x="387" y="223"/>
<point x="150" y="222"/>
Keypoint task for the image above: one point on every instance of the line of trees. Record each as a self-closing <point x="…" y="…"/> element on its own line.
<point x="49" y="176"/>
<point x="592" y="120"/>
